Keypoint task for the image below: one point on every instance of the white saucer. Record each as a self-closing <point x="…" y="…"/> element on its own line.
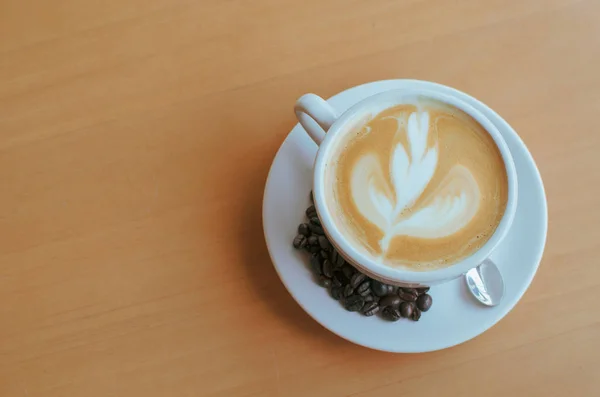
<point x="454" y="310"/>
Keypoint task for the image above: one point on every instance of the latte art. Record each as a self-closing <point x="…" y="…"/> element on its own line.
<point x="454" y="204"/>
<point x="419" y="185"/>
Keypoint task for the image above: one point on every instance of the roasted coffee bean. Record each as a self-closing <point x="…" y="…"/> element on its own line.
<point x="336" y="258"/>
<point x="303" y="229"/>
<point x="407" y="295"/>
<point x="423" y="290"/>
<point x="348" y="290"/>
<point x="391" y="314"/>
<point x="369" y="298"/>
<point x="357" y="279"/>
<point x="299" y="241"/>
<point x="333" y="256"/>
<point x="327" y="268"/>
<point x="379" y="288"/>
<point x="335" y="282"/>
<point x="354" y="303"/>
<point x="339" y="261"/>
<point x="336" y="293"/>
<point x="416" y="314"/>
<point x="315" y="263"/>
<point x="313" y="247"/>
<point x="325" y="282"/>
<point x="390" y="301"/>
<point x="365" y="292"/>
<point x="318" y="230"/>
<point x="315" y="221"/>
<point x="364" y="287"/>
<point x="424" y="302"/>
<point x="321" y="256"/>
<point x="324" y="243"/>
<point x="338" y="275"/>
<point x="311" y="212"/>
<point x="324" y="255"/>
<point x="406" y="309"/>
<point x="348" y="271"/>
<point x="370" y="309"/>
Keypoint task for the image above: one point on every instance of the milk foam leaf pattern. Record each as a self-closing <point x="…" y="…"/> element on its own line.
<point x="448" y="207"/>
<point x="455" y="203"/>
<point x="376" y="204"/>
<point x="411" y="175"/>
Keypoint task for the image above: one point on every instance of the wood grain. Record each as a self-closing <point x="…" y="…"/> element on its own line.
<point x="135" y="140"/>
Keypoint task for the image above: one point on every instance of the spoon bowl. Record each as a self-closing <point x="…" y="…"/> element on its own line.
<point x="485" y="283"/>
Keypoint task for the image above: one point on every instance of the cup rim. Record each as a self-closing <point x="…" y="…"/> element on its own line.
<point x="399" y="275"/>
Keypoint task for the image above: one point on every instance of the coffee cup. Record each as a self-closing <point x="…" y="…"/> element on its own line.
<point x="445" y="194"/>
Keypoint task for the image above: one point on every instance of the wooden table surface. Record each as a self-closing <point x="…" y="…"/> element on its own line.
<point x="135" y="141"/>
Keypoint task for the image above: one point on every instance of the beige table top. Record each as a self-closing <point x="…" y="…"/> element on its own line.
<point x="135" y="140"/>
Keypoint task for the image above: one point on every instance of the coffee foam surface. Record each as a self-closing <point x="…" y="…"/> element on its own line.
<point x="419" y="185"/>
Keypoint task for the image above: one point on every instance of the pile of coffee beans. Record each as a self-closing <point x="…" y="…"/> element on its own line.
<point x="356" y="291"/>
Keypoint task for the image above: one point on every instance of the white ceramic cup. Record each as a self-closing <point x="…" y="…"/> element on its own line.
<point x="325" y="127"/>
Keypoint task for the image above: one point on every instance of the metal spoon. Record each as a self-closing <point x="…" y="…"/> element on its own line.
<point x="485" y="283"/>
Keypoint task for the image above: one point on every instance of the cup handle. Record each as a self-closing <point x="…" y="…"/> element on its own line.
<point x="315" y="115"/>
